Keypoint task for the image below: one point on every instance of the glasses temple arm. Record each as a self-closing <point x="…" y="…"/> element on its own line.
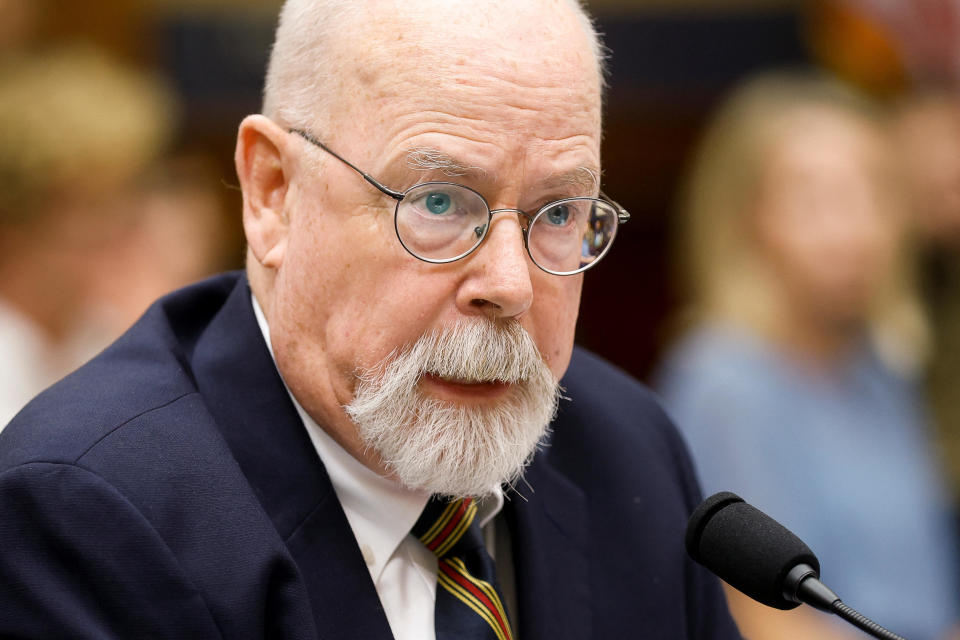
<point x="396" y="195"/>
<point x="623" y="216"/>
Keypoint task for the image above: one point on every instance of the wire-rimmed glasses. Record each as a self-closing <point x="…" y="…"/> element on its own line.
<point x="442" y="222"/>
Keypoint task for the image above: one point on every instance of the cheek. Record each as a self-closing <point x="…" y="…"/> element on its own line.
<point x="792" y="246"/>
<point x="366" y="329"/>
<point x="381" y="307"/>
<point x="329" y="285"/>
<point x="554" y="319"/>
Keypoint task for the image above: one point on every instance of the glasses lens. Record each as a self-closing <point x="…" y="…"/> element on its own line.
<point x="439" y="222"/>
<point x="571" y="235"/>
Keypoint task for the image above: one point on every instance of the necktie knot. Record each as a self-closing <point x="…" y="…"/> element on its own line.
<point x="445" y="527"/>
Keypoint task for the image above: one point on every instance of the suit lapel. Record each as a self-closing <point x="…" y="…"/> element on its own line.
<point x="548" y="523"/>
<point x="240" y="384"/>
<point x="344" y="600"/>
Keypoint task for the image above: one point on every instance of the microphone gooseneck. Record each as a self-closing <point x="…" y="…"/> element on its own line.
<point x="863" y="623"/>
<point x="758" y="556"/>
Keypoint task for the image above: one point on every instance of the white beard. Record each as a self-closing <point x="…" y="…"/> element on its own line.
<point x="447" y="448"/>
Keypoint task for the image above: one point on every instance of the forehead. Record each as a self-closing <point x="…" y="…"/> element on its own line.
<point x="547" y="35"/>
<point x="506" y="79"/>
<point x="828" y="136"/>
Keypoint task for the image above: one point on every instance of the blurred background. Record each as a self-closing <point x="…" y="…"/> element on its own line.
<point x="117" y="129"/>
<point x="672" y="62"/>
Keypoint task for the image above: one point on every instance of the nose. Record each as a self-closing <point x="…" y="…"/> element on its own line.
<point x="498" y="282"/>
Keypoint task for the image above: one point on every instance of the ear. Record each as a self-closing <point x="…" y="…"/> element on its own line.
<point x="264" y="173"/>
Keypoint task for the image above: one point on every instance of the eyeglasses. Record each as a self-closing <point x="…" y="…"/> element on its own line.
<point x="442" y="222"/>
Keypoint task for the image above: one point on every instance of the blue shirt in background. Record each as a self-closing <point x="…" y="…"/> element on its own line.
<point x="842" y="458"/>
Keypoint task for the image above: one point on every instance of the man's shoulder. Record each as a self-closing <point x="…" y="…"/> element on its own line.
<point x="591" y="375"/>
<point x="127" y="466"/>
<point x="607" y="415"/>
<point x="142" y="376"/>
<point x="607" y="404"/>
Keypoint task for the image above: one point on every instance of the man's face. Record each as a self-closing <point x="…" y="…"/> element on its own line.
<point x="518" y="110"/>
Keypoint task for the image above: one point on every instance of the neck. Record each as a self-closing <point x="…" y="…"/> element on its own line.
<point x="814" y="338"/>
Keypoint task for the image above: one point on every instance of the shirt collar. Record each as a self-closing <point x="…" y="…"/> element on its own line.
<point x="381" y="511"/>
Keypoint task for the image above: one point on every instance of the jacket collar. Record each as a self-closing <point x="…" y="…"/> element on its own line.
<point x="243" y="390"/>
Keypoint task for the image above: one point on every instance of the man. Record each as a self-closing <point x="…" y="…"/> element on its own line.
<point x="252" y="466"/>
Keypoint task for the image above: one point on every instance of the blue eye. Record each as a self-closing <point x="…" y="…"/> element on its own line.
<point x="437" y="203"/>
<point x="558" y="215"/>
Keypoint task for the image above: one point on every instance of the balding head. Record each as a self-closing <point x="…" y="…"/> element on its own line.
<point x="329" y="54"/>
<point x="504" y="96"/>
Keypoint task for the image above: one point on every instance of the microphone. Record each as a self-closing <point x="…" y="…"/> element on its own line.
<point x="758" y="556"/>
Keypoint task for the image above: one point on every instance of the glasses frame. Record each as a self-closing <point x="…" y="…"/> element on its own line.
<point x="623" y="216"/>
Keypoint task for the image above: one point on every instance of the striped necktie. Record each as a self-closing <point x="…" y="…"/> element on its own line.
<point x="468" y="606"/>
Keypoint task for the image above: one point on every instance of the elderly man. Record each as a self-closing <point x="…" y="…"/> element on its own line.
<point x="360" y="437"/>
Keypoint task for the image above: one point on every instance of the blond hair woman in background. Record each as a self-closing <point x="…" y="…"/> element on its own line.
<point x="794" y="384"/>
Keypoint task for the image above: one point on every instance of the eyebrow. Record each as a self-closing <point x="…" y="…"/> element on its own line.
<point x="585" y="179"/>
<point x="430" y="159"/>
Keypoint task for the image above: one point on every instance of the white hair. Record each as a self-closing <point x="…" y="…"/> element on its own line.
<point x="303" y="63"/>
<point x="307" y="62"/>
<point x="449" y="448"/>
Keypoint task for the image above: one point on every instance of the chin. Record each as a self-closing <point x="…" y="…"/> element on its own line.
<point x="455" y="448"/>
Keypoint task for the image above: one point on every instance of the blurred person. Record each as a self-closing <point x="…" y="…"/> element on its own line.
<point x="178" y="234"/>
<point x="266" y="453"/>
<point x="927" y="128"/>
<point x="796" y="385"/>
<point x="76" y="130"/>
<point x="927" y="134"/>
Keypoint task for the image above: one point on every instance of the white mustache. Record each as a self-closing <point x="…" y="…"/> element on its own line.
<point x="470" y="351"/>
<point x="480" y="351"/>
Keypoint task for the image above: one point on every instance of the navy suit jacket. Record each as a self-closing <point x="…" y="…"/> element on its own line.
<point x="168" y="489"/>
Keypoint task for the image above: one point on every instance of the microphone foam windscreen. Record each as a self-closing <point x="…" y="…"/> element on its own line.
<point x="745" y="547"/>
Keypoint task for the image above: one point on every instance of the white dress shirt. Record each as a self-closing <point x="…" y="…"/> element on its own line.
<point x="381" y="513"/>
